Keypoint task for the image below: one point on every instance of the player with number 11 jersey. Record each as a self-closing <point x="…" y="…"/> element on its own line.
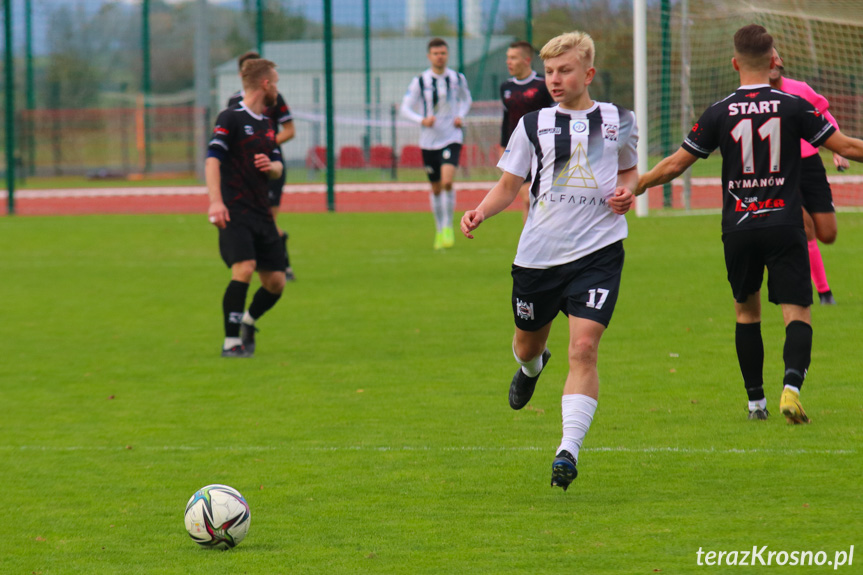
<point x="758" y="130"/>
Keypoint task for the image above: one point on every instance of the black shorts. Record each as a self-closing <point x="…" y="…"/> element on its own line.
<point x="586" y="288"/>
<point x="814" y="187"/>
<point x="252" y="238"/>
<point x="434" y="159"/>
<point x="783" y="251"/>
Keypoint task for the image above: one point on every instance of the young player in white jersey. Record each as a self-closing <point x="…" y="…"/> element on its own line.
<point x="570" y="255"/>
<point x="438" y="100"/>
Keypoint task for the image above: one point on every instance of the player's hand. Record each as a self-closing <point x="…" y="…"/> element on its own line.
<point x="263" y="162"/>
<point x="219" y="214"/>
<point x="471" y="221"/>
<point x="840" y="163"/>
<point x="458" y="122"/>
<point x="428" y="121"/>
<point x="621" y="200"/>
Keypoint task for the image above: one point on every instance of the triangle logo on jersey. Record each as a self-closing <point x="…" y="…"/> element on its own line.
<point x="577" y="173"/>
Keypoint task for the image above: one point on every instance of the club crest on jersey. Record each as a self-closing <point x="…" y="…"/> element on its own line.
<point x="507" y="94"/>
<point x="609" y="132"/>
<point x="249" y="130"/>
<point x="579" y="127"/>
<point x="523" y="309"/>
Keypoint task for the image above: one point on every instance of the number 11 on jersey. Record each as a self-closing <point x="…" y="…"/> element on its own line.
<point x="770" y="130"/>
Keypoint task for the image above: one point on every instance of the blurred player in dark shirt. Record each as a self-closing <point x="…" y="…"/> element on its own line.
<point x="758" y="130"/>
<point x="242" y="158"/>
<point x="282" y="119"/>
<point x="524" y="92"/>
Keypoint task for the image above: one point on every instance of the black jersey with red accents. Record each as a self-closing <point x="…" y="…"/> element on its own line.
<point x="279" y="113"/>
<point x="758" y="130"/>
<point x="239" y="135"/>
<point x="520" y="97"/>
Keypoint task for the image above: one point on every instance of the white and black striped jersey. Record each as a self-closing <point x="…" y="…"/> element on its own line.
<point x="446" y="97"/>
<point x="575" y="156"/>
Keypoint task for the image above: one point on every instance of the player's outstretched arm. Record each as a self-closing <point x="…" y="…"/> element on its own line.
<point x="665" y="171"/>
<point x="845" y="146"/>
<point x="496" y="200"/>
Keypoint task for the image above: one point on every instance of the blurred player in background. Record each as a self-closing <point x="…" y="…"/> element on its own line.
<point x="438" y="100"/>
<point x="570" y="254"/>
<point x="242" y="159"/>
<point x="524" y="92"/>
<point x="281" y="117"/>
<point x="758" y="131"/>
<point x="819" y="216"/>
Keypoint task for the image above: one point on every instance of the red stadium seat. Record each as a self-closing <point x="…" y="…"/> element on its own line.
<point x="351" y="157"/>
<point x="381" y="157"/>
<point x="412" y="157"/>
<point x="316" y="158"/>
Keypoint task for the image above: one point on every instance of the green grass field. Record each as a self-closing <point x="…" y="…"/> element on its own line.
<point x="371" y="433"/>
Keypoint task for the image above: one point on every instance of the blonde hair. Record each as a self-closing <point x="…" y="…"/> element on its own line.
<point x="581" y="42"/>
<point x="254" y="71"/>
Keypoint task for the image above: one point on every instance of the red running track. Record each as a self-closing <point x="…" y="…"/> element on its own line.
<point x="382" y="197"/>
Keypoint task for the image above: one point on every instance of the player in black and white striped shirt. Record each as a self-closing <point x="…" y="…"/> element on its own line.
<point x="570" y="255"/>
<point x="438" y="100"/>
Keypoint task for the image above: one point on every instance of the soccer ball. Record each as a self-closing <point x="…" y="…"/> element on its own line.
<point x="217" y="516"/>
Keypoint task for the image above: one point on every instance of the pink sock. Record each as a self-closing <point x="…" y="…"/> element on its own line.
<point x="819" y="276"/>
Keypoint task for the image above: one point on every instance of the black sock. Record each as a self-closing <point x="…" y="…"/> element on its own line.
<point x="750" y="355"/>
<point x="287" y="257"/>
<point x="232" y="307"/>
<point x="797" y="353"/>
<point x="262" y="301"/>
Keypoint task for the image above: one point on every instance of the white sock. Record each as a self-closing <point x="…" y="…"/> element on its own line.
<point x="248" y="319"/>
<point x="449" y="207"/>
<point x="578" y="413"/>
<point x="438" y="210"/>
<point x="760" y="404"/>
<point x="530" y="368"/>
<point x="792" y="388"/>
<point x="232" y="342"/>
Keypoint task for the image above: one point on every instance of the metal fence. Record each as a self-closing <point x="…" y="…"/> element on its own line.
<point x="129" y="88"/>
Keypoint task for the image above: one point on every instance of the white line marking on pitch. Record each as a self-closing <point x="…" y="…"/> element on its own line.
<point x="372" y="448"/>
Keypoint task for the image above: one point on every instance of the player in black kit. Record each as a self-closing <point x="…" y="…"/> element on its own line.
<point x="524" y="92"/>
<point x="758" y="130"/>
<point x="283" y="122"/>
<point x="241" y="160"/>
